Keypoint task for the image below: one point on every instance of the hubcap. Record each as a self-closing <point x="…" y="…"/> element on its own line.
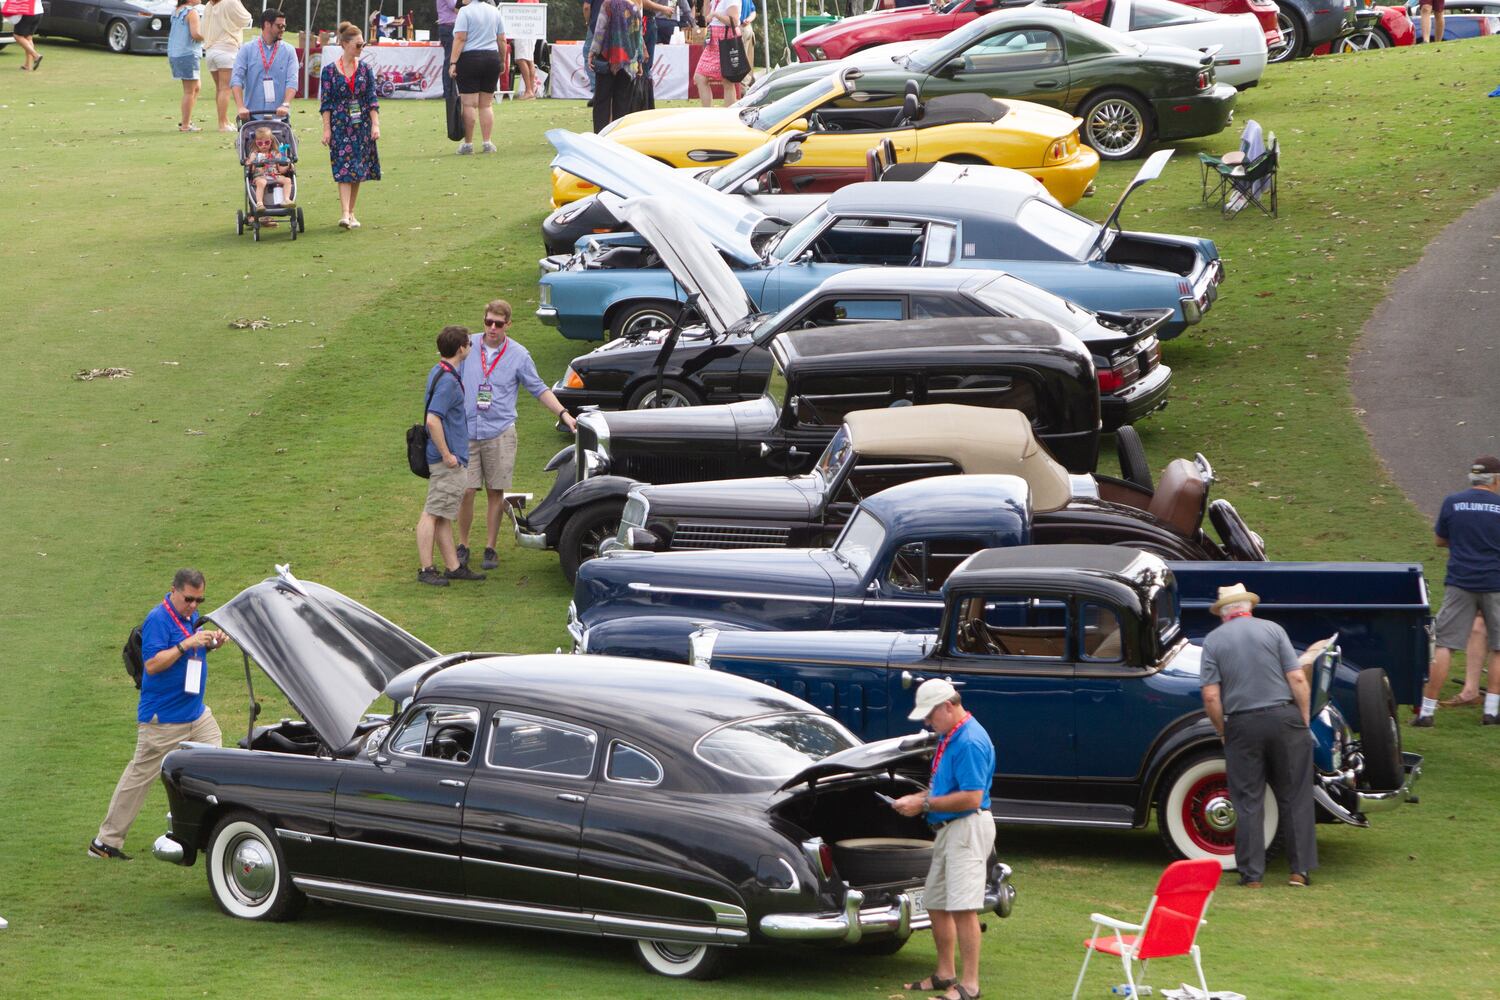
<point x="677" y="954"/>
<point x="251" y="869"/>
<point x="1208" y="815"/>
<point x="1288" y="37"/>
<point x="1219" y="813"/>
<point x="1114" y="127"/>
<point x="666" y="399"/>
<point x="1361" y="41"/>
<point x="643" y="323"/>
<point x="119" y="37"/>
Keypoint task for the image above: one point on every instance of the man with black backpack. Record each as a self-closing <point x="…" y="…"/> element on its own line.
<point x="174" y="674"/>
<point x="447" y="425"/>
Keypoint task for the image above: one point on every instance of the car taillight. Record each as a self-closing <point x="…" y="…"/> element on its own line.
<point x="1058" y="151"/>
<point x="1205" y="79"/>
<point x="571" y="379"/>
<point x="1110" y="380"/>
<point x="821" y="856"/>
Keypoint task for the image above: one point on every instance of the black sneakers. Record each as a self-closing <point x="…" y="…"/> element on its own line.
<point x="463" y="555"/>
<point x="491" y="560"/>
<point x="463" y="573"/>
<point x="1424" y="721"/>
<point x="1490" y="720"/>
<point x="430" y="576"/>
<point x="98" y="850"/>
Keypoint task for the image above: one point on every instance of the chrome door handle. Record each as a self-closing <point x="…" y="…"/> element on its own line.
<point x="570" y="797"/>
<point x="453" y="783"/>
<point x="908" y="678"/>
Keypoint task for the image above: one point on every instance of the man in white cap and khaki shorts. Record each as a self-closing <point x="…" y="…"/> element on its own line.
<point x="956" y="805"/>
<point x="1258" y="697"/>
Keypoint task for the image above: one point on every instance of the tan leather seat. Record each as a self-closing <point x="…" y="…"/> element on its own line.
<point x="1179" y="497"/>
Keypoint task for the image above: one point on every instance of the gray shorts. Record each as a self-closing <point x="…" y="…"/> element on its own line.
<point x="445" y="490"/>
<point x="493" y="461"/>
<point x="960" y="862"/>
<point x="1456" y="617"/>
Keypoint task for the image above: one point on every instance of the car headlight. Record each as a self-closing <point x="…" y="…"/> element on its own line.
<point x="816" y="51"/>
<point x="156" y="24"/>
<point x="571" y="379"/>
<point x="701" y="647"/>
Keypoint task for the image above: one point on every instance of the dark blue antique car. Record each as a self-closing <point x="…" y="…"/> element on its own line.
<point x="1076" y="658"/>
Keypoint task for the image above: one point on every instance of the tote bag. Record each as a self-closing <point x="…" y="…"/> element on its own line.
<point x="734" y="65"/>
<point x="455" y="116"/>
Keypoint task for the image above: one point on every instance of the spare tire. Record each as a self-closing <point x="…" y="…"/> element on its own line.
<point x="1134" y="468"/>
<point x="879" y="860"/>
<point x="1379" y="730"/>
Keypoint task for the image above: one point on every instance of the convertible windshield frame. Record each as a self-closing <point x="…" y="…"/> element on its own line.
<point x="757" y="726"/>
<point x="837" y="457"/>
<point x="860" y="542"/>
<point x="770" y="118"/>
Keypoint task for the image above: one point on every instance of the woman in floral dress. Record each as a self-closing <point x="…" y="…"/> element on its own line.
<point x="351" y="121"/>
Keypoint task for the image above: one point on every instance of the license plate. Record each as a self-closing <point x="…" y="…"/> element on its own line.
<point x="918" y="906"/>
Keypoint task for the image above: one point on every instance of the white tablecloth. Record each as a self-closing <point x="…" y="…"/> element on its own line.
<point x="570" y="77"/>
<point x="401" y="70"/>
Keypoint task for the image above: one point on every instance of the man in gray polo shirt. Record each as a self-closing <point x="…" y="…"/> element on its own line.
<point x="1258" y="698"/>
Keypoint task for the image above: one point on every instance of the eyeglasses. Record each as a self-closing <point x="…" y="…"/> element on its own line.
<point x="496" y="322"/>
<point x="359" y="45"/>
<point x="193" y="600"/>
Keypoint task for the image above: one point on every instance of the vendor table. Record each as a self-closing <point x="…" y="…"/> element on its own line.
<point x="570" y="77"/>
<point x="402" y="69"/>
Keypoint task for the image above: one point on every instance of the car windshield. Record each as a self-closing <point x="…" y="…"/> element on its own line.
<point x="1165" y="608"/>
<point x="860" y="542"/>
<point x="1012" y="296"/>
<point x="1057" y="227"/>
<point x="752" y="164"/>
<point x="794" y="237"/>
<point x="776" y="385"/>
<point x="838" y="454"/>
<point x="774" y="746"/>
<point x="776" y="112"/>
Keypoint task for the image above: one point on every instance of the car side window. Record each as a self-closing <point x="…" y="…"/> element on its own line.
<point x="824" y="400"/>
<point x="530" y="743"/>
<point x="834" y="310"/>
<point x="992" y="389"/>
<point x="631" y="765"/>
<point x="1011" y="626"/>
<point x="942" y="245"/>
<point x="1020" y="49"/>
<point x="941" y="307"/>
<point x="923" y="567"/>
<point x="874" y="241"/>
<point x="438" y="732"/>
<point x="1103" y="636"/>
<point x="1148" y="14"/>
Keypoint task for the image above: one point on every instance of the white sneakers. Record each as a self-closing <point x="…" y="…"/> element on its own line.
<point x="489" y="147"/>
<point x="465" y="148"/>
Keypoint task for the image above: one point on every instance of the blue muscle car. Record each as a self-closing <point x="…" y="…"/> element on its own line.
<point x="616" y="284"/>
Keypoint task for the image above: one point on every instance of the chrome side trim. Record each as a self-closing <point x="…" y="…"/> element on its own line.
<point x="1057" y="821"/>
<point x="651" y="588"/>
<point x="305" y="838"/>
<point x="796" y="886"/>
<point x="400" y="850"/>
<point x="727" y="914"/>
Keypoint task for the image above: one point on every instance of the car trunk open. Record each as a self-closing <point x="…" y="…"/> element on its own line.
<point x="1143" y="250"/>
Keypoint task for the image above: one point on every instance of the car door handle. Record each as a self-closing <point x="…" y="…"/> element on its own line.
<point x="453" y="783"/>
<point x="1047" y="84"/>
<point x="909" y="679"/>
<point x="570" y="797"/>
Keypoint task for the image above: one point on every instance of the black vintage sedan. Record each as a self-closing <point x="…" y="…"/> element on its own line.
<point x="685" y="811"/>
<point x="122" y="25"/>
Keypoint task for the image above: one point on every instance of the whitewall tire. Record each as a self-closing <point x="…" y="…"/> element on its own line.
<point x="681" y="961"/>
<point x="1194" y="814"/>
<point x="247" y="871"/>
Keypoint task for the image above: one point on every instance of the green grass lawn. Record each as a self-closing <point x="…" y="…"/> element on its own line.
<point x="232" y="449"/>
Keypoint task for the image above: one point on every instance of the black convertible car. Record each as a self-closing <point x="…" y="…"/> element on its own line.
<point x="686" y="811"/>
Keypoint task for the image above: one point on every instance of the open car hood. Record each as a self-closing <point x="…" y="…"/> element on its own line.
<point x="867" y="757"/>
<point x="729" y="222"/>
<point x="331" y="657"/>
<point x="696" y="265"/>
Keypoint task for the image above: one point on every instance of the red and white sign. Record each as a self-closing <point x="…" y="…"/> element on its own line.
<point x="571" y="78"/>
<point x="402" y="70"/>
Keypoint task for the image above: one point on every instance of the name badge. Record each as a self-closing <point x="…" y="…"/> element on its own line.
<point x="356" y="113"/>
<point x="486" y="396"/>
<point x="268" y="91"/>
<point x="193" y="683"/>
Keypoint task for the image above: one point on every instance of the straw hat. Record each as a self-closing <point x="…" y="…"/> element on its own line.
<point x="1230" y="594"/>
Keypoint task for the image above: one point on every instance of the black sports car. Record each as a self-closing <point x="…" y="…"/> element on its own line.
<point x="122" y="25"/>
<point x="685" y="811"/>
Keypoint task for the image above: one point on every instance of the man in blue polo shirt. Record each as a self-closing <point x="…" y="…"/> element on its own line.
<point x="956" y="804"/>
<point x="264" y="77"/>
<point x="171" y="709"/>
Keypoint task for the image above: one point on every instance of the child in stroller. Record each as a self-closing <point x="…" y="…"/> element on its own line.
<point x="269" y="163"/>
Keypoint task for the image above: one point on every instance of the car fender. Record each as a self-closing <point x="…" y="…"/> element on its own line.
<point x="655" y="637"/>
<point x="1188" y="735"/>
<point x="564" y="455"/>
<point x="595" y="488"/>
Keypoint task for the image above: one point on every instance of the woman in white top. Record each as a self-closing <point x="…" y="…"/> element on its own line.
<point x="723" y="22"/>
<point x="224" y="24"/>
<point x="478" y="41"/>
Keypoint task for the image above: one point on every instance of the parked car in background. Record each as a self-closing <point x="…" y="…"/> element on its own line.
<point x="1307" y="24"/>
<point x="1237" y="42"/>
<point x="5" y="34"/>
<point x="842" y="127"/>
<point x="121" y="25"/>
<point x="616" y="284"/>
<point x="817" y="378"/>
<point x="1078" y="654"/>
<point x="685" y="811"/>
<point x="1376" y="27"/>
<point x="1129" y="94"/>
<point x="1470" y="19"/>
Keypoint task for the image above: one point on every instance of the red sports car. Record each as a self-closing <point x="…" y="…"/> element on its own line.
<point x="1379" y="28"/>
<point x="863" y="31"/>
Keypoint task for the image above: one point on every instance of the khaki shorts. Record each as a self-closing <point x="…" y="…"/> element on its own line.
<point x="445" y="490"/>
<point x="217" y="59"/>
<point x="492" y="461"/>
<point x="960" y="863"/>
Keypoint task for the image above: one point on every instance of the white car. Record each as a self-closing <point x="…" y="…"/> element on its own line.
<point x="1241" y="57"/>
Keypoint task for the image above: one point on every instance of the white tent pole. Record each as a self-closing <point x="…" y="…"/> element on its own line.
<point x="306" y="47"/>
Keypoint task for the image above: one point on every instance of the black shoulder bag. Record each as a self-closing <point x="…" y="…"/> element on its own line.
<point x="134" y="657"/>
<point x="416" y="434"/>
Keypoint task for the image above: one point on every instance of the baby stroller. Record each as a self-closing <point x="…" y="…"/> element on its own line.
<point x="275" y="207"/>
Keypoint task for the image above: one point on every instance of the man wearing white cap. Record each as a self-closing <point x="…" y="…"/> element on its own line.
<point x="956" y="805"/>
<point x="1258" y="698"/>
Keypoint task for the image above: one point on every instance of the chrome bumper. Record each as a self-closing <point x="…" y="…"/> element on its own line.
<point x="1384" y="801"/>
<point x="1203" y="297"/>
<point x="550" y="265"/>
<point x="167" y="849"/>
<point x="898" y="918"/>
<point x="547" y="315"/>
<point x="530" y="539"/>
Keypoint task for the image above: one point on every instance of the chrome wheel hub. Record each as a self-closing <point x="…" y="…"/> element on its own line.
<point x="251" y="868"/>
<point x="1218" y="813"/>
<point x="1114" y="127"/>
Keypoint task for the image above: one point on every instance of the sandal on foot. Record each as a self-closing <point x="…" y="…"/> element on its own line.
<point x="932" y="982"/>
<point x="189" y="128"/>
<point x="963" y="993"/>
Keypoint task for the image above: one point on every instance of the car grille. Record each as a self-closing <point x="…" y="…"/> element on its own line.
<point x="670" y="469"/>
<point x="729" y="536"/>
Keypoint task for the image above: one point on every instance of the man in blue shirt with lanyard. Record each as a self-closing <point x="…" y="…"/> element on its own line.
<point x="956" y="804"/>
<point x="171" y="706"/>
<point x="264" y="78"/>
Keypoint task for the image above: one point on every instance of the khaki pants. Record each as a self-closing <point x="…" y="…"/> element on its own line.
<point x="153" y="741"/>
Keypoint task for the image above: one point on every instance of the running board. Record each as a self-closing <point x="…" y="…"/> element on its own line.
<point x="535" y="917"/>
<point x="1091" y="814"/>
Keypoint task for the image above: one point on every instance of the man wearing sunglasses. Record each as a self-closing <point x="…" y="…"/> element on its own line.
<point x="264" y="77"/>
<point x="171" y="709"/>
<point x="494" y="373"/>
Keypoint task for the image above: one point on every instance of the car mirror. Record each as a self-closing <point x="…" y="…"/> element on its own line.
<point x="951" y="68"/>
<point x="798" y="125"/>
<point x="752" y="186"/>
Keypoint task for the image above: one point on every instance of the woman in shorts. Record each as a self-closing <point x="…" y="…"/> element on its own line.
<point x="184" y="49"/>
<point x="478" y="40"/>
<point x="24" y="28"/>
<point x="224" y="24"/>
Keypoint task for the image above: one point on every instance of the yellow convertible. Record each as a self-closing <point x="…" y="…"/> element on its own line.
<point x="844" y="123"/>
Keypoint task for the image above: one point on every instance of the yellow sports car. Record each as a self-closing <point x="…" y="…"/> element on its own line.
<point x="843" y="123"/>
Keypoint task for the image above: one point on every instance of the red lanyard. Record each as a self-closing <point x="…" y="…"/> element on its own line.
<point x="349" y="78"/>
<point x="445" y="366"/>
<point x="186" y="632"/>
<point x="264" y="62"/>
<point x="489" y="369"/>
<point x="943" y="743"/>
<point x="1237" y="614"/>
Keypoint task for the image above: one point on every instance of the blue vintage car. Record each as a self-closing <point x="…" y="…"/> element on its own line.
<point x="1075" y="659"/>
<point x="616" y="285"/>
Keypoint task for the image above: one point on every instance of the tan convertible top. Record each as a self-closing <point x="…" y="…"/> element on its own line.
<point x="979" y="440"/>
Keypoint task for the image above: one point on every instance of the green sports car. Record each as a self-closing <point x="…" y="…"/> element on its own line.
<point x="1128" y="94"/>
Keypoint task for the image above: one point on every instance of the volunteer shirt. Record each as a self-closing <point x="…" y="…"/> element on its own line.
<point x="448" y="404"/>
<point x="1249" y="659"/>
<point x="1470" y="521"/>
<point x="482" y="23"/>
<point x="164" y="696"/>
<point x="967" y="765"/>
<point x="251" y="73"/>
<point x="513" y="371"/>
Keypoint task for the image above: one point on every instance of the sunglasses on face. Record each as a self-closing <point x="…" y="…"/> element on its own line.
<point x="193" y="600"/>
<point x="496" y="322"/>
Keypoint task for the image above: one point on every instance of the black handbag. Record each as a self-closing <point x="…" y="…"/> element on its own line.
<point x="455" y="115"/>
<point x="734" y="64"/>
<point x="416" y="437"/>
<point x="642" y="91"/>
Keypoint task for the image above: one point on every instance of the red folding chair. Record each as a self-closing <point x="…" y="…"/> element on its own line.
<point x="1170" y="926"/>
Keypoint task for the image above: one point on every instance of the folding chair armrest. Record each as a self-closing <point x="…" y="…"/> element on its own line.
<point x="1100" y="920"/>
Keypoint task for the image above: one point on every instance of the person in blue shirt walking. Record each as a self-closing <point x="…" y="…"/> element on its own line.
<point x="171" y="709"/>
<point x="447" y="456"/>
<point x="956" y="805"/>
<point x="184" y="49"/>
<point x="264" y="78"/>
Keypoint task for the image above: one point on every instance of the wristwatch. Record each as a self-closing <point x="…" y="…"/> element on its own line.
<point x="180" y="650"/>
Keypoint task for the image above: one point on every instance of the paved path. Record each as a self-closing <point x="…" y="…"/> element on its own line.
<point x="1426" y="370"/>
